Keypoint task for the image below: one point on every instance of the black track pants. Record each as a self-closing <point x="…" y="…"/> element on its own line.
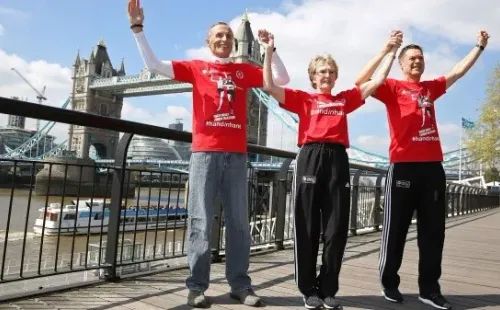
<point x="322" y="199"/>
<point x="410" y="187"/>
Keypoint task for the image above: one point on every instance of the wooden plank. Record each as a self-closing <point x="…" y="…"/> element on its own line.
<point x="471" y="269"/>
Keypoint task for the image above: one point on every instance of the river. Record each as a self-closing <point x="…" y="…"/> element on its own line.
<point x="23" y="218"/>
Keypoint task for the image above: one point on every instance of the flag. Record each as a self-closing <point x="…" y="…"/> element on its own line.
<point x="467" y="124"/>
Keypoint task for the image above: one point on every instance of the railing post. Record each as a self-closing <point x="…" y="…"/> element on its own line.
<point x="353" y="225"/>
<point x="115" y="207"/>
<point x="446" y="200"/>
<point x="451" y="198"/>
<point x="460" y="200"/>
<point x="282" y="177"/>
<point x="377" y="207"/>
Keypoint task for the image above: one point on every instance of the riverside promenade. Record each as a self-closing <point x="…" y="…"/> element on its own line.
<point x="471" y="277"/>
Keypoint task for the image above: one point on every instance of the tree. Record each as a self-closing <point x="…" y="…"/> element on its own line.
<point x="491" y="174"/>
<point x="483" y="140"/>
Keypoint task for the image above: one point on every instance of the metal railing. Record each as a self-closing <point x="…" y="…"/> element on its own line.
<point x="73" y="221"/>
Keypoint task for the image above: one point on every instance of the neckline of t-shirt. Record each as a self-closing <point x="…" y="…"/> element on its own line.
<point x="222" y="61"/>
<point x="410" y="82"/>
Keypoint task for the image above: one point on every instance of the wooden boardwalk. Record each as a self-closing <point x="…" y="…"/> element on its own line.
<point x="471" y="277"/>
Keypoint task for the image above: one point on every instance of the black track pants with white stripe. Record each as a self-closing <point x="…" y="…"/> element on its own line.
<point x="322" y="199"/>
<point x="413" y="187"/>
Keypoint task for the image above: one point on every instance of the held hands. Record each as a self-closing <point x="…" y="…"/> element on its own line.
<point x="394" y="42"/>
<point x="482" y="38"/>
<point x="135" y="14"/>
<point x="266" y="39"/>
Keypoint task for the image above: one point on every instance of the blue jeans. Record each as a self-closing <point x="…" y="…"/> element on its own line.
<point x="209" y="174"/>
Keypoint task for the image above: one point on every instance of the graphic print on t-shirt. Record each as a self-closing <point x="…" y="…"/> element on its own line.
<point x="226" y="89"/>
<point x="329" y="107"/>
<point x="425" y="105"/>
<point x="427" y="130"/>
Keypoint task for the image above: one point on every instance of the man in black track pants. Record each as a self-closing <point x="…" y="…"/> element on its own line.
<point x="416" y="178"/>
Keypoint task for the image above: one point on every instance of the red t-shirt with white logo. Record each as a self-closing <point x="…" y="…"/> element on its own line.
<point x="219" y="102"/>
<point x="412" y="120"/>
<point x="322" y="117"/>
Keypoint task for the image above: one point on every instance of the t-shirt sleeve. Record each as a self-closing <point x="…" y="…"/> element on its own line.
<point x="252" y="76"/>
<point x="385" y="92"/>
<point x="437" y="87"/>
<point x="295" y="100"/>
<point x="353" y="99"/>
<point x="183" y="71"/>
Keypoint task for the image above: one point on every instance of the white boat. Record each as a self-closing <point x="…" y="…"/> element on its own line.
<point x="93" y="217"/>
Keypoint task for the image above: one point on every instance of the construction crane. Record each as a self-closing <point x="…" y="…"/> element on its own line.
<point x="40" y="97"/>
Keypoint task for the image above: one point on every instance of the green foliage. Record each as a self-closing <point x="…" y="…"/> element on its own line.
<point x="483" y="141"/>
<point x="491" y="174"/>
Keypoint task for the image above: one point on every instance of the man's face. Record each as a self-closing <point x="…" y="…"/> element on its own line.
<point x="412" y="63"/>
<point x="220" y="41"/>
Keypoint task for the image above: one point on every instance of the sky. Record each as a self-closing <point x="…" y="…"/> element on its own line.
<point x="41" y="39"/>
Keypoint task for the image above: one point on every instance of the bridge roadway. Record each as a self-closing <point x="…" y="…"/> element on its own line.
<point x="471" y="277"/>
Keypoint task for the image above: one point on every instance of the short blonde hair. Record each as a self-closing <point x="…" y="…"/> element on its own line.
<point x="319" y="60"/>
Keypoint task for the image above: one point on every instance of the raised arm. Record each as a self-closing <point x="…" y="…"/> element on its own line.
<point x="368" y="88"/>
<point x="367" y="72"/>
<point x="136" y="18"/>
<point x="278" y="70"/>
<point x="461" y="68"/>
<point x="276" y="91"/>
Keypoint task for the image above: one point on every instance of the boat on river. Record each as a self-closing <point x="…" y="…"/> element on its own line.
<point x="92" y="217"/>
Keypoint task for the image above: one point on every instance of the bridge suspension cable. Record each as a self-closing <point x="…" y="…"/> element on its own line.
<point x="21" y="150"/>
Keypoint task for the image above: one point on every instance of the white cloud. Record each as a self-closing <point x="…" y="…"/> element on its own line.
<point x="39" y="73"/>
<point x="133" y="112"/>
<point x="449" y="129"/>
<point x="178" y="112"/>
<point x="13" y="13"/>
<point x="198" y="53"/>
<point x="57" y="80"/>
<point x="371" y="105"/>
<point x="377" y="144"/>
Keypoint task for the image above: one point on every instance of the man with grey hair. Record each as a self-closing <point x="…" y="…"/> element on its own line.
<point x="219" y="152"/>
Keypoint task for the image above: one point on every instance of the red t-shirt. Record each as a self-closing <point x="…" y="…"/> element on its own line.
<point x="219" y="102"/>
<point x="412" y="121"/>
<point x="322" y="118"/>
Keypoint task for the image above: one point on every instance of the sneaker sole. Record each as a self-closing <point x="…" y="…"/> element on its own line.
<point x="202" y="305"/>
<point x="257" y="304"/>
<point x="330" y="307"/>
<point x="430" y="303"/>
<point x="311" y="307"/>
<point x="391" y="300"/>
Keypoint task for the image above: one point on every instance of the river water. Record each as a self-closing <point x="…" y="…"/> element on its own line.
<point x="25" y="211"/>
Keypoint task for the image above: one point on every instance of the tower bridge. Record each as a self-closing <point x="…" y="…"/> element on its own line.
<point x="99" y="88"/>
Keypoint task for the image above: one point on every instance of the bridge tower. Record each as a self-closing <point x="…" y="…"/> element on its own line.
<point x="83" y="99"/>
<point x="247" y="49"/>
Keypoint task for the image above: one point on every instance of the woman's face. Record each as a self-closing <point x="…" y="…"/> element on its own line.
<point x="324" y="77"/>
